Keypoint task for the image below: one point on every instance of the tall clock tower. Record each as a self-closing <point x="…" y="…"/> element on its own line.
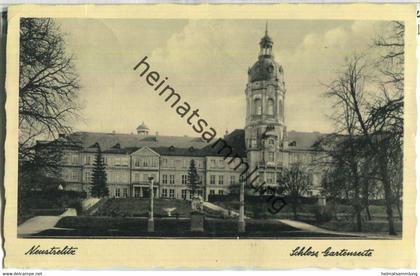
<point x="265" y="128"/>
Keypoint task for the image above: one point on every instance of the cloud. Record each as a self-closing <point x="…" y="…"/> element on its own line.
<point x="314" y="62"/>
<point x="206" y="61"/>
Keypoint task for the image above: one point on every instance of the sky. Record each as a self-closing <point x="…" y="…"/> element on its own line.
<point x="206" y="62"/>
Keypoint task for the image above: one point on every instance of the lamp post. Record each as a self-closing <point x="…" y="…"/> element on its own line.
<point x="150" y="222"/>
<point x="241" y="222"/>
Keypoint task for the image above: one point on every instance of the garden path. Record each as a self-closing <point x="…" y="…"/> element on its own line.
<point x="41" y="223"/>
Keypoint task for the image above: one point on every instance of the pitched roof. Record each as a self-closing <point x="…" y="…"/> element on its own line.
<point x="182" y="145"/>
<point x="235" y="139"/>
<point x="109" y="140"/>
<point x="173" y="151"/>
<point x="303" y="140"/>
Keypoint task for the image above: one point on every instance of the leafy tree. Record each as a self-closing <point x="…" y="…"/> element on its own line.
<point x="193" y="178"/>
<point x="294" y="183"/>
<point x="99" y="178"/>
<point x="39" y="173"/>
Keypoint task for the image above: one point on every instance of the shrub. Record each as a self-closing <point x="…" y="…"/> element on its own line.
<point x="321" y="213"/>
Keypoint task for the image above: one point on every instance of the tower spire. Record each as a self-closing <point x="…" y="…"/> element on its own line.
<point x="266" y="28"/>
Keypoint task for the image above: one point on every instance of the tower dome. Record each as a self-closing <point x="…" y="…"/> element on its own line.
<point x="266" y="68"/>
<point x="142" y="129"/>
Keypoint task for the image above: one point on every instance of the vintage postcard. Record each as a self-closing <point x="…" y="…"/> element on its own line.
<point x="210" y="136"/>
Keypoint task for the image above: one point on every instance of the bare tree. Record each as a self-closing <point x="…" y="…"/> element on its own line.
<point x="374" y="121"/>
<point x="48" y="83"/>
<point x="294" y="183"/>
<point x="387" y="113"/>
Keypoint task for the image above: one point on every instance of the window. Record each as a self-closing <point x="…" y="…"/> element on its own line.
<point x="171" y="193"/>
<point x="87" y="176"/>
<point x="164" y="178"/>
<point x="221" y="163"/>
<point x="270" y="107"/>
<point x="200" y="192"/>
<point x="136" y="162"/>
<point x="184" y="179"/>
<point x="221" y="178"/>
<point x="232" y="179"/>
<point x="211" y="192"/>
<point x="74" y="159"/>
<point x="136" y="177"/>
<point x="145" y="176"/>
<point x="253" y="142"/>
<point x="125" y="192"/>
<point x="165" y="162"/>
<point x="270" y="178"/>
<point x="220" y="192"/>
<point x="87" y="160"/>
<point x="212" y="179"/>
<point x="145" y="162"/>
<point x="280" y="108"/>
<point x="124" y="162"/>
<point x="191" y="195"/>
<point x="171" y="179"/>
<point x="257" y="107"/>
<point x="184" y="194"/>
<point x="213" y="163"/>
<point x="271" y="142"/>
<point x="74" y="175"/>
<point x="117" y="192"/>
<point x="271" y="157"/>
<point x="117" y="161"/>
<point x="164" y="192"/>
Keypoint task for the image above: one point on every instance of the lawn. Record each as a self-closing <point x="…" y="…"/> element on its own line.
<point x="139" y="207"/>
<point x="343" y="222"/>
<point x="95" y="226"/>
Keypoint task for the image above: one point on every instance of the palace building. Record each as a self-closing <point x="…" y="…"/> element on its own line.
<point x="265" y="144"/>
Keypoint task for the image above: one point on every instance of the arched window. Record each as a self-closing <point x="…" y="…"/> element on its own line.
<point x="270" y="107"/>
<point x="257" y="107"/>
<point x="280" y="109"/>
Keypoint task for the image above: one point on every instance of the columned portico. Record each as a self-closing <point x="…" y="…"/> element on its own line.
<point x="140" y="190"/>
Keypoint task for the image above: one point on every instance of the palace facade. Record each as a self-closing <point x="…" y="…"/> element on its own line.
<point x="265" y="144"/>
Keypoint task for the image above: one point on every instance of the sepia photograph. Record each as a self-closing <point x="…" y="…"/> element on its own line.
<point x="213" y="129"/>
<point x="210" y="137"/>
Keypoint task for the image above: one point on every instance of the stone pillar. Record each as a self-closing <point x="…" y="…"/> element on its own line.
<point x="197" y="222"/>
<point x="150" y="221"/>
<point x="241" y="222"/>
<point x="322" y="201"/>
